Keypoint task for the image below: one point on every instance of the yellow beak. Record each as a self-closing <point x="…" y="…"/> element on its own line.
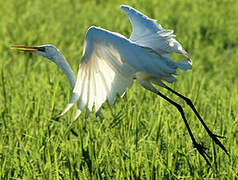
<point x="25" y="48"/>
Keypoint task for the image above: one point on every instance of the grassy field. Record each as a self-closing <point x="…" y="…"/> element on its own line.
<point x="141" y="136"/>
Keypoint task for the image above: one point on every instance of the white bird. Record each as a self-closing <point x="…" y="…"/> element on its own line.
<point x="110" y="62"/>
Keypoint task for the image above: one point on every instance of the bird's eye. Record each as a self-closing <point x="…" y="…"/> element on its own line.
<point x="41" y="49"/>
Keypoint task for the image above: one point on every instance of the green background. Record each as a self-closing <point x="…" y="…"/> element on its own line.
<point x="141" y="136"/>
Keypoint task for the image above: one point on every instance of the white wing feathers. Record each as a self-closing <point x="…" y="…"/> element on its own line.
<point x="147" y="32"/>
<point x="108" y="66"/>
<point x="102" y="73"/>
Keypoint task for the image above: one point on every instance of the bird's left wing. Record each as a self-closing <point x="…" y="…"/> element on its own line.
<point x="148" y="33"/>
<point x="102" y="73"/>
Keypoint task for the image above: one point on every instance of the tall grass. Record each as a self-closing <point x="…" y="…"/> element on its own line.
<point x="141" y="136"/>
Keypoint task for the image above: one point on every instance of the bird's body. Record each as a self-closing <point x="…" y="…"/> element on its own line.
<point x="110" y="62"/>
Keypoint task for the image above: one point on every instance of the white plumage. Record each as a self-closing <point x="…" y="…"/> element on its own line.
<point x="147" y="32"/>
<point x="110" y="63"/>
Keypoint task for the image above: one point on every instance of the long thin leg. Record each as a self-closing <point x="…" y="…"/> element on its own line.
<point x="189" y="102"/>
<point x="199" y="147"/>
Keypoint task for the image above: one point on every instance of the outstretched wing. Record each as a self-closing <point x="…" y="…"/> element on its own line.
<point x="102" y="73"/>
<point x="147" y="32"/>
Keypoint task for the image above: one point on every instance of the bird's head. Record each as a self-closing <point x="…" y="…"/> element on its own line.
<point x="48" y="51"/>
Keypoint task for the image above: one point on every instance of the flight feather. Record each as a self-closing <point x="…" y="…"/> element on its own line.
<point x="147" y="32"/>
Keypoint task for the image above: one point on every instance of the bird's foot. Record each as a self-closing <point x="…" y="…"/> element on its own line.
<point x="216" y="140"/>
<point x="202" y="150"/>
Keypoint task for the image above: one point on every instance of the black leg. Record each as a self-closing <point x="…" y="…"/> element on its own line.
<point x="189" y="102"/>
<point x="199" y="147"/>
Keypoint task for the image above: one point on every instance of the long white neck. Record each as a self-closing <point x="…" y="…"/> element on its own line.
<point x="64" y="65"/>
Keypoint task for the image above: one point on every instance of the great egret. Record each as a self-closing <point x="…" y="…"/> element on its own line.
<point x="110" y="62"/>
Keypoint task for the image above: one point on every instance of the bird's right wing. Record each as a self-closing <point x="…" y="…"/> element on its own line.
<point x="101" y="76"/>
<point x="148" y="33"/>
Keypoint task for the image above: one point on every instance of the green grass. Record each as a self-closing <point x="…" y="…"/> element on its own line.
<point x="141" y="136"/>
